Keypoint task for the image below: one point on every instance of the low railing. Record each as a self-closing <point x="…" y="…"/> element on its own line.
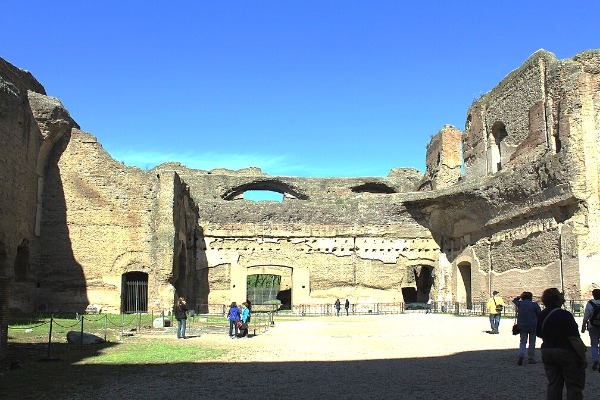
<point x="576" y="307"/>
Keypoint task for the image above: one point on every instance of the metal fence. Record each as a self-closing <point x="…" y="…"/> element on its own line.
<point x="576" y="307"/>
<point x="135" y="297"/>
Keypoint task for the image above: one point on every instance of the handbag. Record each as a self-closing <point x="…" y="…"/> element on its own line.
<point x="515" y="329"/>
<point x="238" y="323"/>
<point x="579" y="348"/>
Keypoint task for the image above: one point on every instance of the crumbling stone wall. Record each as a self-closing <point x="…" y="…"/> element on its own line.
<point x="19" y="144"/>
<point x="524" y="214"/>
<point x="30" y="125"/>
<point x="546" y="174"/>
<point x="515" y="107"/>
<point x="443" y="159"/>
<point x="349" y="234"/>
<point x="108" y="219"/>
<point x="20" y="141"/>
<point x="366" y="269"/>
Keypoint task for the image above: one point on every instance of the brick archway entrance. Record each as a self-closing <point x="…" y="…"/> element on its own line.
<point x="267" y="284"/>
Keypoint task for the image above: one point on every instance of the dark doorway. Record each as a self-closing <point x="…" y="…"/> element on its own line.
<point x="424" y="281"/>
<point x="22" y="262"/>
<point x="463" y="286"/>
<point x="134" y="292"/>
<point x="285" y="296"/>
<point x="409" y="294"/>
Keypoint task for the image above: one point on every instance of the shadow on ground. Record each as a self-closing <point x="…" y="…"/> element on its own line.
<point x="467" y="375"/>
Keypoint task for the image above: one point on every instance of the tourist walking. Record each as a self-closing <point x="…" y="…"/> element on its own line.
<point x="590" y="316"/>
<point x="337" y="306"/>
<point x="234" y="320"/>
<point x="245" y="320"/>
<point x="563" y="352"/>
<point x="495" y="305"/>
<point x="181" y="317"/>
<point x="527" y="314"/>
<point x="428" y="307"/>
<point x="347" y="306"/>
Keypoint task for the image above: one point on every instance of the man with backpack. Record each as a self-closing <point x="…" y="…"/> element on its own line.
<point x="591" y="321"/>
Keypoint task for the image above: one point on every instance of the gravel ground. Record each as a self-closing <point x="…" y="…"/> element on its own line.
<point x="409" y="356"/>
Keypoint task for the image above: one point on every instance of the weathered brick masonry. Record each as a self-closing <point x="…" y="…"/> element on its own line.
<point x="520" y="213"/>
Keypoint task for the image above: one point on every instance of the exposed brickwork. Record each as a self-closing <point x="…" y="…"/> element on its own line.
<point x="524" y="216"/>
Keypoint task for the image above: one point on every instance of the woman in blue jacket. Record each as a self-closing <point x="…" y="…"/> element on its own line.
<point x="234" y="318"/>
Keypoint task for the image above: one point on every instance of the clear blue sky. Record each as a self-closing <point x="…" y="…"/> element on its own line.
<point x="298" y="88"/>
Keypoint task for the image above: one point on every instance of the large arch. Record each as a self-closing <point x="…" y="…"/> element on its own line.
<point x="284" y="287"/>
<point x="272" y="185"/>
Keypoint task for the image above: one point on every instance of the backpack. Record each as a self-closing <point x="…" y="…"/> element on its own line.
<point x="499" y="307"/>
<point x="595" y="317"/>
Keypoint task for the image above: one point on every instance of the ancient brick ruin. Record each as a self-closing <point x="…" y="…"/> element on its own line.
<point x="520" y="213"/>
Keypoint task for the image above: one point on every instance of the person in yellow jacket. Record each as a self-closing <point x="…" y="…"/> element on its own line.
<point x="495" y="305"/>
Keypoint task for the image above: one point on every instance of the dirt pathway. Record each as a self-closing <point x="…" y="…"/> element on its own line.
<point x="410" y="356"/>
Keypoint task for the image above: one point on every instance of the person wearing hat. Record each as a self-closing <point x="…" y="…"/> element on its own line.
<point x="495" y="305"/>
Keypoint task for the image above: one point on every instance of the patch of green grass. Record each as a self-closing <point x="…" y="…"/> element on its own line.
<point x="69" y="370"/>
<point x="153" y="353"/>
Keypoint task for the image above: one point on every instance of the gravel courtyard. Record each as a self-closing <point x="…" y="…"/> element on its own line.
<point x="409" y="356"/>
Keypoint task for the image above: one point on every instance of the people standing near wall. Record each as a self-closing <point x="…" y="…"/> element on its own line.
<point x="495" y="305"/>
<point x="337" y="306"/>
<point x="428" y="308"/>
<point x="181" y="317"/>
<point x="234" y="317"/>
<point x="347" y="306"/>
<point x="589" y="318"/>
<point x="245" y="320"/>
<point x="527" y="314"/>
<point x="563" y="352"/>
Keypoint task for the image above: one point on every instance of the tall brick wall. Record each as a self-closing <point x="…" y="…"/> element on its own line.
<point x="533" y="220"/>
<point x="108" y="219"/>
<point x="20" y="142"/>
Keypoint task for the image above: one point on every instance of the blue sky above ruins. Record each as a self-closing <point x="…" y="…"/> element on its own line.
<point x="299" y="88"/>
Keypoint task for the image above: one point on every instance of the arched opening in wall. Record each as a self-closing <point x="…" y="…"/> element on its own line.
<point x="499" y="133"/>
<point x="277" y="190"/>
<point x="373" y="187"/>
<point x="134" y="292"/>
<point x="269" y="289"/>
<point x="463" y="284"/>
<point x="22" y="262"/>
<point x="424" y="280"/>
<point x="263" y="195"/>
